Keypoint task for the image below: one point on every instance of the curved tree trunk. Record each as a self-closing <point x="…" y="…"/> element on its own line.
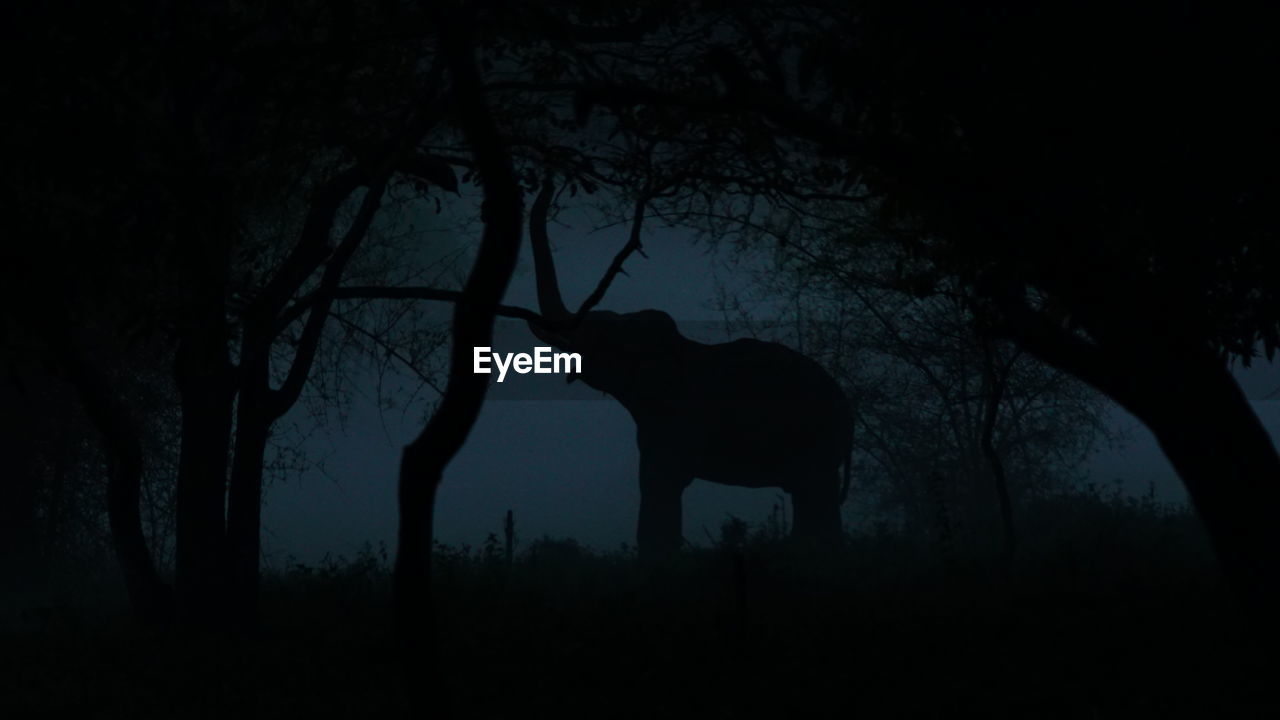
<point x="150" y="598"/>
<point x="1224" y="456"/>
<point x="244" y="496"/>
<point x="205" y="385"/>
<point x="994" y="384"/>
<point x="259" y="404"/>
<point x="1226" y="459"/>
<point x="423" y="462"/>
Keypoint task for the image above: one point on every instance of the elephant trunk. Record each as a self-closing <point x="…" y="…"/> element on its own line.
<point x="550" y="303"/>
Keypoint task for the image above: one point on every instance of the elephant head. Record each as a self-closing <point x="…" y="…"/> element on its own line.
<point x="628" y="355"/>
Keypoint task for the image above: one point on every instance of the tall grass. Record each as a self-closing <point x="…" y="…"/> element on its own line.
<point x="1113" y="608"/>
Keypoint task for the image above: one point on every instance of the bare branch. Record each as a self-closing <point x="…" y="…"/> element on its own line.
<point x="284" y="398"/>
<point x="313" y="245"/>
<point x="633" y="245"/>
<point x="375" y="292"/>
<point x="390" y="350"/>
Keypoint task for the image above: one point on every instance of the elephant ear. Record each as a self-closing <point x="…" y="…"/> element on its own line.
<point x="656" y="346"/>
<point x="664" y="368"/>
<point x="645" y="331"/>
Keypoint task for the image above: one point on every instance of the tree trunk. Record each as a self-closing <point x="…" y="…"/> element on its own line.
<point x="206" y="388"/>
<point x="1187" y="397"/>
<point x="420" y="474"/>
<point x="994" y="384"/>
<point x="244" y="511"/>
<point x="20" y="530"/>
<point x="150" y="598"/>
<point x="509" y="538"/>
<point x="423" y="462"/>
<point x="254" y="418"/>
<point x="1230" y="467"/>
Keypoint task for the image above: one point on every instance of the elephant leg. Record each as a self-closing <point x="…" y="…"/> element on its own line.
<point x="816" y="506"/>
<point x="662" y="484"/>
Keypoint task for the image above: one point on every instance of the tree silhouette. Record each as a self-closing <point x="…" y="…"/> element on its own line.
<point x="194" y="184"/>
<point x="423" y="462"/>
<point x="1097" y="179"/>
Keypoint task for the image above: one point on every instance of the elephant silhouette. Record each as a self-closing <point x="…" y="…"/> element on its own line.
<point x="745" y="413"/>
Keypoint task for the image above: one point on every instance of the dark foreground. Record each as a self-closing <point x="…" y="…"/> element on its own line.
<point x="1112" y="609"/>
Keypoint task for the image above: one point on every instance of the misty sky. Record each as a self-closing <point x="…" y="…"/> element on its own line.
<point x="567" y="467"/>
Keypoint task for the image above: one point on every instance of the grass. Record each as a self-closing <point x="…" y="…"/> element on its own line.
<point x="1113" y="608"/>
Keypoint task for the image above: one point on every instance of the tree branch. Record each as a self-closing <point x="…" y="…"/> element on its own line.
<point x="1056" y="346"/>
<point x="312" y="246"/>
<point x="615" y="267"/>
<point x="282" y="399"/>
<point x="376" y="292"/>
<point x="395" y="154"/>
<point x="390" y="350"/>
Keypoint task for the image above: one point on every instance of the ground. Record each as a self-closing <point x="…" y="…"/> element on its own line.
<point x="1107" y="611"/>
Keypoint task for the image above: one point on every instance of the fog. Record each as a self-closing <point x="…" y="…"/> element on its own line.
<point x="565" y="462"/>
